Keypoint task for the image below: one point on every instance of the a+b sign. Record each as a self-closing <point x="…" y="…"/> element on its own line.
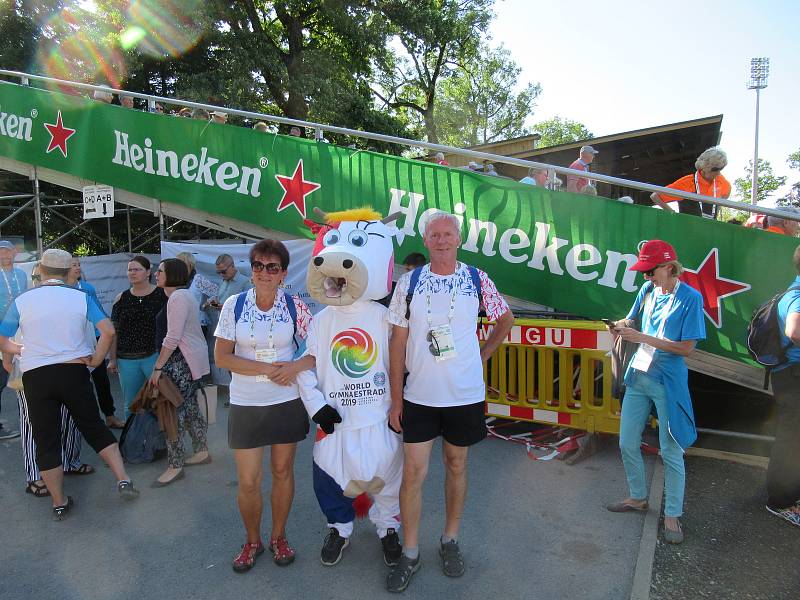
<point x="98" y="202"/>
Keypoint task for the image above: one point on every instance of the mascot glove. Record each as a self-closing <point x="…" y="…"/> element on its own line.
<point x="326" y="417"/>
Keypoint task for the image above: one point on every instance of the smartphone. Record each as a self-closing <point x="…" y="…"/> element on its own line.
<point x="608" y="322"/>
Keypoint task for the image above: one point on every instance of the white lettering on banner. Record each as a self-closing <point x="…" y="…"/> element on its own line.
<point x="512" y="242"/>
<point x="16" y="126"/>
<point x="206" y="169"/>
<point x="556" y="337"/>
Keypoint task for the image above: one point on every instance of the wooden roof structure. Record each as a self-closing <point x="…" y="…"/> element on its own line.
<point x="657" y="155"/>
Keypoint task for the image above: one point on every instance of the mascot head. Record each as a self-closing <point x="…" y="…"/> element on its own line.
<point x="353" y="257"/>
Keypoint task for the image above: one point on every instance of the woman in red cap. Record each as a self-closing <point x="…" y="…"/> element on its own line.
<point x="669" y="315"/>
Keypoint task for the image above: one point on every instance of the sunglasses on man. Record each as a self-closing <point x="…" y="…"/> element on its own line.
<point x="434" y="345"/>
<point x="271" y="268"/>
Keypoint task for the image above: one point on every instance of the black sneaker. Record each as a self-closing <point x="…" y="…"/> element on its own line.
<point x="392" y="550"/>
<point x="400" y="576"/>
<point x="8" y="434"/>
<point x="452" y="559"/>
<point x="333" y="547"/>
<point x="60" y="512"/>
<point x="126" y="490"/>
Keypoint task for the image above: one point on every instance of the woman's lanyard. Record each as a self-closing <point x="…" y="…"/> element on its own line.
<point x="270" y="338"/>
<point x="452" y="310"/>
<point x="650" y="306"/>
<point x="697" y="185"/>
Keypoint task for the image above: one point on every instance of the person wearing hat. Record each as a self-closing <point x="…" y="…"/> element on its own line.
<point x="670" y="314"/>
<point x="706" y="181"/>
<point x="574" y="183"/>
<point x="15" y="281"/>
<point x="53" y="322"/>
<point x="219" y="117"/>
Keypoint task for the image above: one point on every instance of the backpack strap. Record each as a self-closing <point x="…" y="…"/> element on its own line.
<point x="293" y="314"/>
<point x="239" y="306"/>
<point x="476" y="281"/>
<point x="412" y="285"/>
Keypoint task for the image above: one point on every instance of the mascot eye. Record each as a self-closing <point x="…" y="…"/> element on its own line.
<point x="331" y="238"/>
<point x="358" y="238"/>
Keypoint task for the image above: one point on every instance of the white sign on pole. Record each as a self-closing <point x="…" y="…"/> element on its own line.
<point x="98" y="202"/>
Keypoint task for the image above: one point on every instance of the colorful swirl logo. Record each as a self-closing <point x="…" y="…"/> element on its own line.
<point x="353" y="352"/>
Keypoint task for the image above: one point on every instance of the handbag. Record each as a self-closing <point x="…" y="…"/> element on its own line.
<point x="622" y="352"/>
<point x="15" y="376"/>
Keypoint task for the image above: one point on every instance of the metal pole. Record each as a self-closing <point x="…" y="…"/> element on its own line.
<point x="37" y="211"/>
<point x="108" y="229"/>
<point x="128" y="216"/>
<point x="754" y="187"/>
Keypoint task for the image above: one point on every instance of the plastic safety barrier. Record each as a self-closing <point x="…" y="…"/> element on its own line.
<point x="555" y="372"/>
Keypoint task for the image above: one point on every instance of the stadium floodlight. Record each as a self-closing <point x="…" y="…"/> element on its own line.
<point x="759" y="72"/>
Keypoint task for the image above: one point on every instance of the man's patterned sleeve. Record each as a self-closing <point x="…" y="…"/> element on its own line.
<point x="398" y="306"/>
<point x="494" y="304"/>
<point x="303" y="317"/>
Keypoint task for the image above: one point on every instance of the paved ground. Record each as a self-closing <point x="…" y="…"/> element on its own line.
<point x="734" y="549"/>
<point x="531" y="529"/>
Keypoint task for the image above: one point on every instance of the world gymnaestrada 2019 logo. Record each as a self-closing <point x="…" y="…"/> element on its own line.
<point x="353" y="352"/>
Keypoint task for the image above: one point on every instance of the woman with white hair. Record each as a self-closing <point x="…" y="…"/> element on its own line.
<point x="706" y="181"/>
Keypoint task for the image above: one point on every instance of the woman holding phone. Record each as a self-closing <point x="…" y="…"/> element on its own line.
<point x="672" y="322"/>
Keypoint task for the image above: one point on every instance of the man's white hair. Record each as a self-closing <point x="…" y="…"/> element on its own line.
<point x="438" y="216"/>
<point x="714" y="157"/>
<point x="439" y="156"/>
<point x="777" y="221"/>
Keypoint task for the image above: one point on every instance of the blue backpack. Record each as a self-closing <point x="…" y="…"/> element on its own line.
<point x="239" y="307"/>
<point x="412" y="285"/>
<point x="141" y="440"/>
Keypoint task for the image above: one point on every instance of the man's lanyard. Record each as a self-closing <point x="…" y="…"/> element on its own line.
<point x="270" y="339"/>
<point x="452" y="310"/>
<point x="650" y="305"/>
<point x="11" y="294"/>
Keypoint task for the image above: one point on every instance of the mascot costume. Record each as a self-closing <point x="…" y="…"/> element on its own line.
<point x="358" y="460"/>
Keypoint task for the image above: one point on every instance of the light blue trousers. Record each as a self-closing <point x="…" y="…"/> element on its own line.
<point x="639" y="398"/>
<point x="133" y="373"/>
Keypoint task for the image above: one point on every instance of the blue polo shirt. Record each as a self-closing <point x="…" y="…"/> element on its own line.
<point x="684" y="320"/>
<point x="788" y="304"/>
<point x="12" y="284"/>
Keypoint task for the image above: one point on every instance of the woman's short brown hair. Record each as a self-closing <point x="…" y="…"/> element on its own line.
<point x="176" y="273"/>
<point x="269" y="247"/>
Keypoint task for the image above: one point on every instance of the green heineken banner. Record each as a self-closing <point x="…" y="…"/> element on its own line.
<point x="553" y="248"/>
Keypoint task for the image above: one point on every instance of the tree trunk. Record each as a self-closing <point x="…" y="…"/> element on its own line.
<point x="430" y="125"/>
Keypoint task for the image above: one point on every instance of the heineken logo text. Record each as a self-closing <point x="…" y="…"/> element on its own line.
<point x="190" y="167"/>
<point x="15" y="126"/>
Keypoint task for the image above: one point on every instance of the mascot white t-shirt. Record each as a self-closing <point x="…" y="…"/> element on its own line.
<point x="351" y="348"/>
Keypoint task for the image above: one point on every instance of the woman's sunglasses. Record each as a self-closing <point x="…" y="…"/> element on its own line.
<point x="271" y="268"/>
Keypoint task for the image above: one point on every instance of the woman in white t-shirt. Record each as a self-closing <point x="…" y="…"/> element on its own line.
<point x="257" y="336"/>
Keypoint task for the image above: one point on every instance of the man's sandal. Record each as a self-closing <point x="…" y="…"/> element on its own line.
<point x="246" y="558"/>
<point x="37" y="489"/>
<point x="84" y="469"/>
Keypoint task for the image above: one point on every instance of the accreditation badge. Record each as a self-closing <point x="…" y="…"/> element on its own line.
<point x="266" y="355"/>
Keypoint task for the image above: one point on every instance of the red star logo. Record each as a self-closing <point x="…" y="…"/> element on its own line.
<point x="58" y="135"/>
<point x="714" y="288"/>
<point x="295" y="190"/>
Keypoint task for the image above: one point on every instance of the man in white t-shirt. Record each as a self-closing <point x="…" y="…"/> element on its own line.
<point x="57" y="347"/>
<point x="434" y="339"/>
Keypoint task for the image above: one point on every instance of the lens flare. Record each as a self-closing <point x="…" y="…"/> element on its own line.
<point x="162" y="28"/>
<point x="78" y="52"/>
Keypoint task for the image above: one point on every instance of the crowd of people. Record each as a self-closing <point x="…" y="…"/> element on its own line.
<point x="55" y="338"/>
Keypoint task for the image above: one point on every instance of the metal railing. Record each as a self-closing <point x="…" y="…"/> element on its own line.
<point x="26" y="78"/>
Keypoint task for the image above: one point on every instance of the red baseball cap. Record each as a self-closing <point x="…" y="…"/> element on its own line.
<point x="652" y="254"/>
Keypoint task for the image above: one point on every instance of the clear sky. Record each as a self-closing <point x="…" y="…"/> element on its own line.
<point x="621" y="65"/>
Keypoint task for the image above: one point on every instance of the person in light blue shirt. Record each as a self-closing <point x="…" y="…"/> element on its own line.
<point x="102" y="385"/>
<point x="783" y="472"/>
<point x="672" y="322"/>
<point x="537" y="177"/>
<point x="14" y="282"/>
